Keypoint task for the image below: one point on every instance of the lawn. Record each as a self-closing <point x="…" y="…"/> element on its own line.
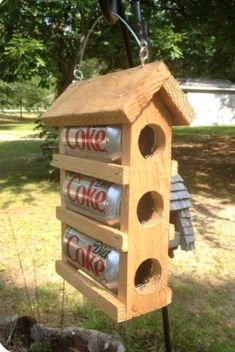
<point x="202" y="312"/>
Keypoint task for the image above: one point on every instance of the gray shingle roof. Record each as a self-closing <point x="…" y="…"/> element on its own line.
<point x="180" y="216"/>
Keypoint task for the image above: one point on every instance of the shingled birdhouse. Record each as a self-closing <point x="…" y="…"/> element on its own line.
<point x="115" y="162"/>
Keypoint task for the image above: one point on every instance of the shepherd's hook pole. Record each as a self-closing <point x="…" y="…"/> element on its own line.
<point x="166" y="328"/>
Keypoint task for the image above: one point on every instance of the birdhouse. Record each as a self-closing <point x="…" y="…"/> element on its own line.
<point x="115" y="166"/>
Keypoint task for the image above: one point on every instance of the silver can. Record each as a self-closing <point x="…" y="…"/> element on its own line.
<point x="94" y="142"/>
<point x="97" y="199"/>
<point x="93" y="256"/>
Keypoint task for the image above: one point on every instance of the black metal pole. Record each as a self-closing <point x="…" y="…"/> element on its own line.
<point x="125" y="35"/>
<point x="166" y="328"/>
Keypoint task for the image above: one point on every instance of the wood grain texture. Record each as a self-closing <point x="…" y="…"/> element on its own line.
<point x="109" y="235"/>
<point x="174" y="167"/>
<point x="124" y="213"/>
<point x="147" y="240"/>
<point x="172" y="232"/>
<point x="105" y="171"/>
<point x="104" y="300"/>
<point x="127" y="93"/>
<point x="176" y="102"/>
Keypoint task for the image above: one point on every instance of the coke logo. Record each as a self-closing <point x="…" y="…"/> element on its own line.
<point x="89" y="196"/>
<point x="86" y="138"/>
<point x="84" y="257"/>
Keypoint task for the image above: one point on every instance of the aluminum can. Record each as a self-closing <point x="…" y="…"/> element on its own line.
<point x="97" y="199"/>
<point x="93" y="256"/>
<point x="94" y="142"/>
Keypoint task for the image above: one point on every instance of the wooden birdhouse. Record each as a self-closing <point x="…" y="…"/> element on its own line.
<point x="115" y="162"/>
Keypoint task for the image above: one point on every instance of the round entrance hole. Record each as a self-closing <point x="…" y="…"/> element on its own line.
<point x="149" y="208"/>
<point x="151" y="140"/>
<point x="148" y="276"/>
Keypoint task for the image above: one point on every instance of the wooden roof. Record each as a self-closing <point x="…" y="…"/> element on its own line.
<point x="119" y="97"/>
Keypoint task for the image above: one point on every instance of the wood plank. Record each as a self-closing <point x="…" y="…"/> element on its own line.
<point x="109" y="235"/>
<point x="174" y="167"/>
<point x="105" y="171"/>
<point x="127" y="88"/>
<point x="124" y="213"/>
<point x="176" y="103"/>
<point x="104" y="300"/>
<point x="172" y="232"/>
<point x="127" y="93"/>
<point x="62" y="172"/>
<point x="148" y="240"/>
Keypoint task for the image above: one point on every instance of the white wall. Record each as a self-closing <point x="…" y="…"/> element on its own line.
<point x="213" y="100"/>
<point x="212" y="108"/>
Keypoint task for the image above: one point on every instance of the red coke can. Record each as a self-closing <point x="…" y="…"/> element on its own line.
<point x="97" y="199"/>
<point x="93" y="256"/>
<point x="94" y="142"/>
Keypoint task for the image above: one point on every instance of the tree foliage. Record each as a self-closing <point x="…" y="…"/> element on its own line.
<point x="23" y="95"/>
<point x="43" y="37"/>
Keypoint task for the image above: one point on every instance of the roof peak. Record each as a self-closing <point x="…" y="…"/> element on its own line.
<point x="120" y="97"/>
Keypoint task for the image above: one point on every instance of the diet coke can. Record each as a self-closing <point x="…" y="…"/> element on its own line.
<point x="92" y="256"/>
<point x="95" y="142"/>
<point x="97" y="199"/>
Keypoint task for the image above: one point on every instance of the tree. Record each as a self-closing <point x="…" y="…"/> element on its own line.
<point x="208" y="36"/>
<point x="43" y="37"/>
<point x="23" y="95"/>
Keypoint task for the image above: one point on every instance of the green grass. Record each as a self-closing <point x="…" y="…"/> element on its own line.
<point x="203" y="131"/>
<point x="202" y="312"/>
<point x="17" y="131"/>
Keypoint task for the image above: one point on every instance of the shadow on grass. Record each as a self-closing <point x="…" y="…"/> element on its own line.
<point x="21" y="164"/>
<point x="12" y="126"/>
<point x="200" y="315"/>
<point x="16" y="118"/>
<point x="207" y="165"/>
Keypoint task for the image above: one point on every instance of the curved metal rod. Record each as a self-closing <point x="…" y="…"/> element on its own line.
<point x="88" y="36"/>
<point x="144" y="49"/>
<point x="143" y="54"/>
<point x="129" y="28"/>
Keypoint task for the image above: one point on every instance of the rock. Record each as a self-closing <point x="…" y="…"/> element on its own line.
<point x="69" y="339"/>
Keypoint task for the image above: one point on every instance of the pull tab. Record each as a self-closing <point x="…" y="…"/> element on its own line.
<point x="107" y="8"/>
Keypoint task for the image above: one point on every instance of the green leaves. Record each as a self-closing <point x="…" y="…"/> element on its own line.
<point x="166" y="42"/>
<point x="24" y="56"/>
<point x="44" y="38"/>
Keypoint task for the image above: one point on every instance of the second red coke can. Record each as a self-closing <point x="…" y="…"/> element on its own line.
<point x="94" y="142"/>
<point x="97" y="199"/>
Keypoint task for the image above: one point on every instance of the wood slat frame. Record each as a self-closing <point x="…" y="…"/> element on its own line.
<point x="105" y="171"/>
<point x="109" y="235"/>
<point x="104" y="300"/>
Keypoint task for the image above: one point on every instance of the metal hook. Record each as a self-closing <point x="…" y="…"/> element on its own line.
<point x="144" y="52"/>
<point x="144" y="49"/>
<point x="78" y="73"/>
